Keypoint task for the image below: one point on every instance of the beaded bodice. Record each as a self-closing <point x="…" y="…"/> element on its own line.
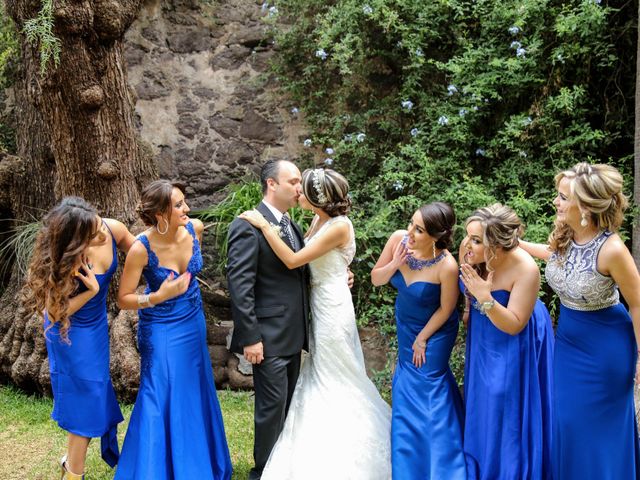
<point x="576" y="280"/>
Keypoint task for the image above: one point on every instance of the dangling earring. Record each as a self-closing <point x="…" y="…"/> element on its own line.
<point x="166" y="229"/>
<point x="434" y="249"/>
<point x="584" y="222"/>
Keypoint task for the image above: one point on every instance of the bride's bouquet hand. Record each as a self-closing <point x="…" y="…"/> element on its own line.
<point x="255" y="218"/>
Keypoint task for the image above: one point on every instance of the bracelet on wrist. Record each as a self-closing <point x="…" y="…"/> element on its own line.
<point x="144" y="302"/>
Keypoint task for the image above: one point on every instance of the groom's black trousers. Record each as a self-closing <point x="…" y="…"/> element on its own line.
<point x="273" y="380"/>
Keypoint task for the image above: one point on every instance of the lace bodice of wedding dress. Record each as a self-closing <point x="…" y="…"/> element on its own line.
<point x="338" y="426"/>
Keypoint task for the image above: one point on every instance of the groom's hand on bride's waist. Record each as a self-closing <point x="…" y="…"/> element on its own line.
<point x="254" y="353"/>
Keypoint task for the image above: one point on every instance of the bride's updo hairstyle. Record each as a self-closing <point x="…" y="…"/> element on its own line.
<point x="326" y="189"/>
<point x="439" y="221"/>
<point x="597" y="190"/>
<point x="501" y="229"/>
<point x="156" y="198"/>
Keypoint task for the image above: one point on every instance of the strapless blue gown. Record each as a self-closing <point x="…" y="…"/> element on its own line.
<point x="84" y="402"/>
<point x="594" y="429"/>
<point x="176" y="429"/>
<point x="507" y="433"/>
<point x="426" y="424"/>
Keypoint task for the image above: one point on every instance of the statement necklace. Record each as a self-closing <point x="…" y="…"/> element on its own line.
<point x="415" y="264"/>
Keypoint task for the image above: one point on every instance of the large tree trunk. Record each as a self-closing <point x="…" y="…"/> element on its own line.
<point x="78" y="139"/>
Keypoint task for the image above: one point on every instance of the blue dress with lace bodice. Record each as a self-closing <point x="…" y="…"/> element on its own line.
<point x="426" y="425"/>
<point x="176" y="429"/>
<point x="507" y="385"/>
<point x="84" y="402"/>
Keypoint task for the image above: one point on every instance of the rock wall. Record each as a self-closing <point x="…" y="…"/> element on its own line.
<point x="204" y="99"/>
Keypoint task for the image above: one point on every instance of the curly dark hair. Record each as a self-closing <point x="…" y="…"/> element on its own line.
<point x="67" y="230"/>
<point x="328" y="190"/>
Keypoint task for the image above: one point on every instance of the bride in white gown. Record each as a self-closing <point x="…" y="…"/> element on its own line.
<point x="338" y="426"/>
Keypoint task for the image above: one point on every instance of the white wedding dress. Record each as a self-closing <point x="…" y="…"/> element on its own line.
<point x="338" y="425"/>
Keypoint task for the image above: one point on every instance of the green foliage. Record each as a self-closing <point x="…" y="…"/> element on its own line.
<point x="36" y="442"/>
<point x="9" y="55"/>
<point x="468" y="102"/>
<point x="9" y="48"/>
<point x="17" y="248"/>
<point x="39" y="31"/>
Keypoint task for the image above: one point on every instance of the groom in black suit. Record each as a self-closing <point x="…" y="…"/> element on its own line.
<point x="269" y="306"/>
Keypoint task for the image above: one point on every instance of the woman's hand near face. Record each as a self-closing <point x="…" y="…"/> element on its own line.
<point x="476" y="285"/>
<point x="393" y="256"/>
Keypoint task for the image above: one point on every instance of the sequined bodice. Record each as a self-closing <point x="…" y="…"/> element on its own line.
<point x="332" y="266"/>
<point x="576" y="280"/>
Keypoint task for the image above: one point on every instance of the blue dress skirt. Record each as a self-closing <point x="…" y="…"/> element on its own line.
<point x="426" y="424"/>
<point x="84" y="402"/>
<point x="594" y="424"/>
<point x="507" y="433"/>
<point x="176" y="429"/>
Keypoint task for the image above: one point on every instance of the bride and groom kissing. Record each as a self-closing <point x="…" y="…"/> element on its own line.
<point x="290" y="292"/>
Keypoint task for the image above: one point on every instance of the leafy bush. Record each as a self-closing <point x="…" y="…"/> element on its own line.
<point x="9" y="55"/>
<point x="468" y="102"/>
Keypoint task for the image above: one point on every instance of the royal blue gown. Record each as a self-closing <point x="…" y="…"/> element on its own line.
<point x="426" y="424"/>
<point x="507" y="434"/>
<point x="84" y="402"/>
<point x="594" y="425"/>
<point x="176" y="429"/>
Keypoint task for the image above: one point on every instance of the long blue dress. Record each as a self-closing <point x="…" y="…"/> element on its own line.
<point x="176" y="429"/>
<point x="507" y="387"/>
<point x="594" y="425"/>
<point x="84" y="402"/>
<point x="426" y="423"/>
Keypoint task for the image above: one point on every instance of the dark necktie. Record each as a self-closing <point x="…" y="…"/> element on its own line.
<point x="285" y="227"/>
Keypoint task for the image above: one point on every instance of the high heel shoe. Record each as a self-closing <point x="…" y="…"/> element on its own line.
<point x="65" y="473"/>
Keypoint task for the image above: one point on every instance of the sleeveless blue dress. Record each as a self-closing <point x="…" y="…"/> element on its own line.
<point x="176" y="429"/>
<point x="507" y="387"/>
<point x="426" y="422"/>
<point x="594" y="424"/>
<point x="84" y="402"/>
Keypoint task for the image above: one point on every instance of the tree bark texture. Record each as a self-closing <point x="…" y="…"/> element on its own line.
<point x="636" y="154"/>
<point x="76" y="136"/>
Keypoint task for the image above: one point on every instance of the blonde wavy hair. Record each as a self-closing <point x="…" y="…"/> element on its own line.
<point x="501" y="228"/>
<point x="597" y="190"/>
<point x="67" y="231"/>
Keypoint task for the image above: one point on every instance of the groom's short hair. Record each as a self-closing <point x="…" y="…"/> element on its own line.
<point x="270" y="169"/>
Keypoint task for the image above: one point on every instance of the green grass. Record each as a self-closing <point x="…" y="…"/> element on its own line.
<point x="31" y="443"/>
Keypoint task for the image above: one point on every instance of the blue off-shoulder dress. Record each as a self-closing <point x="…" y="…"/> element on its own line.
<point x="426" y="423"/>
<point x="176" y="429"/>
<point x="84" y="402"/>
<point x="507" y="434"/>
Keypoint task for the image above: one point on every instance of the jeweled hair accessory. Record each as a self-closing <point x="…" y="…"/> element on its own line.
<point x="317" y="186"/>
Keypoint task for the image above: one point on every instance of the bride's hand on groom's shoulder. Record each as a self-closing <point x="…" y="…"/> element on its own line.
<point x="255" y="218"/>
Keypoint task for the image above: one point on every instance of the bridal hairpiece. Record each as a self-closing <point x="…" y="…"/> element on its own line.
<point x="317" y="186"/>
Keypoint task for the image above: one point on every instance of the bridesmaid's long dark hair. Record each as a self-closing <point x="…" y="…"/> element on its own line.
<point x="66" y="233"/>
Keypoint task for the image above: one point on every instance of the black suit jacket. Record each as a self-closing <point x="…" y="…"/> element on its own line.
<point x="269" y="302"/>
